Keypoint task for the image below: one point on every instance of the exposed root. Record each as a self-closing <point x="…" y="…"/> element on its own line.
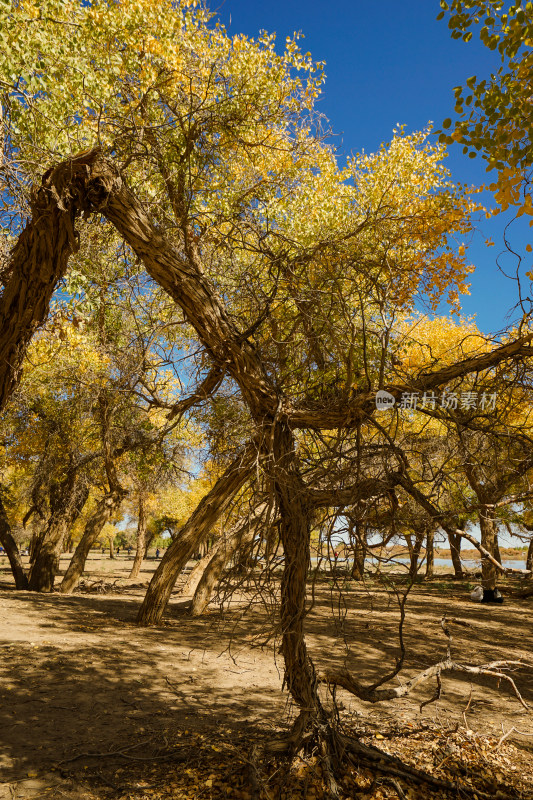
<point x="332" y="754"/>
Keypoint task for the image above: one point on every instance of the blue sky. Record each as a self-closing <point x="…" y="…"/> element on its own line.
<point x="387" y="63"/>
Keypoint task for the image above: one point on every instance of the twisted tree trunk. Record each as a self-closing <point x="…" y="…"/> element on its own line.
<point x="105" y="509"/>
<point x="414" y="552"/>
<point x="295" y="533"/>
<point x="69" y="499"/>
<point x="455" y="552"/>
<point x="487" y="525"/>
<point x="358" y="530"/>
<point x="497" y="554"/>
<point x="197" y="572"/>
<point x="38" y="262"/>
<point x="240" y="536"/>
<point x="195" y="530"/>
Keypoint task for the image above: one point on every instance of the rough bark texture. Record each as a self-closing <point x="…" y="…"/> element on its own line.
<point x="300" y="675"/>
<point x="358" y="569"/>
<point x="11" y="548"/>
<point x="69" y="499"/>
<point x="487" y="526"/>
<point x="193" y="532"/>
<point x="141" y="540"/>
<point x="497" y="554"/>
<point x="414" y="552"/>
<point x="37" y="263"/>
<point x="197" y="572"/>
<point x="529" y="559"/>
<point x="455" y="552"/>
<point x="430" y="554"/>
<point x="222" y="552"/>
<point x="182" y="276"/>
<point x="104" y="511"/>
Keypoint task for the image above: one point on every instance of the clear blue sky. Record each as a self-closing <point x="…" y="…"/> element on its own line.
<point x="391" y="62"/>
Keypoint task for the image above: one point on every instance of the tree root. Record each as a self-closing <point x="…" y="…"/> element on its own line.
<point x="323" y="744"/>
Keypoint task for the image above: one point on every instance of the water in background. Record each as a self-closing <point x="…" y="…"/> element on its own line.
<point x="447" y="562"/>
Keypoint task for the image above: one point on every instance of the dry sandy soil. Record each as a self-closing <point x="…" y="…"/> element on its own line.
<point x="94" y="707"/>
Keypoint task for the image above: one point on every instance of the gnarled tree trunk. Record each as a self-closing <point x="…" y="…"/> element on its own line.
<point x="38" y="262"/>
<point x="67" y="503"/>
<point x="195" y="530"/>
<point x="455" y="552"/>
<point x="105" y="509"/>
<point x="497" y="554"/>
<point x="240" y="536"/>
<point x="414" y="552"/>
<point x="197" y="572"/>
<point x="295" y="533"/>
<point x="487" y="525"/>
<point x="358" y="533"/>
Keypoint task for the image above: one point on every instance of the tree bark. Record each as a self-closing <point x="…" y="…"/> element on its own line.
<point x="455" y="552"/>
<point x="197" y="572"/>
<point x="181" y="275"/>
<point x="529" y="557"/>
<point x="195" y="530"/>
<point x="10" y="546"/>
<point x="141" y="540"/>
<point x="295" y="533"/>
<point x="66" y="507"/>
<point x="150" y="536"/>
<point x="359" y="533"/>
<point x="414" y="552"/>
<point x="240" y="536"/>
<point x="105" y="509"/>
<point x="487" y="525"/>
<point x="497" y="554"/>
<point x="430" y="553"/>
<point x="38" y="262"/>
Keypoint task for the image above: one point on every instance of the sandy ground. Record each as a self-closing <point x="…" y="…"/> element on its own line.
<point x="78" y="678"/>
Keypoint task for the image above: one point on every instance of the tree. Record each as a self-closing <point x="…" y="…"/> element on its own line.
<point x="211" y="169"/>
<point x="494" y="114"/>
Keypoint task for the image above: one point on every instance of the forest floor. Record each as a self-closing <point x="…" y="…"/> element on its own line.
<point x="94" y="708"/>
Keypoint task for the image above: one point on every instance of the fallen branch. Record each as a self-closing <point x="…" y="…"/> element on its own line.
<point x="344" y="679"/>
<point x="371" y="695"/>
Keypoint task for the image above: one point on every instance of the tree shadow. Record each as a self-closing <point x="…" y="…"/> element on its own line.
<point x="78" y="676"/>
